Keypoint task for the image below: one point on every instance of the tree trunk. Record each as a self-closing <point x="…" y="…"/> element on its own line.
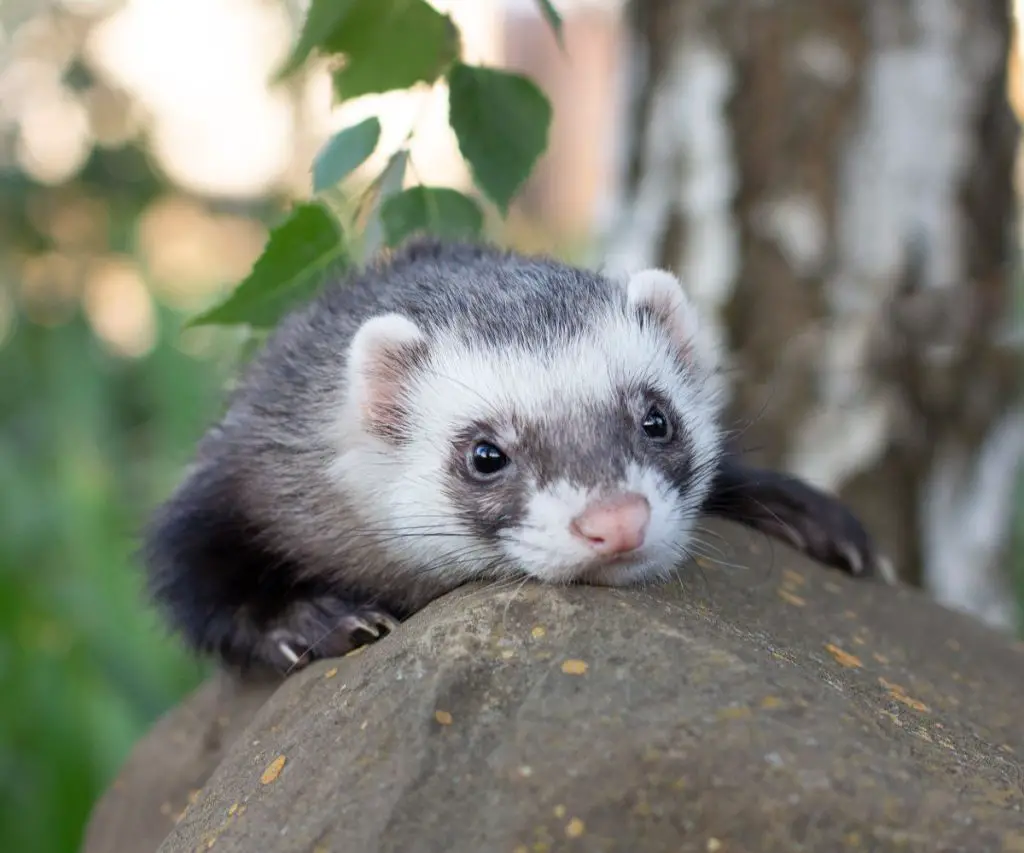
<point x="834" y="181"/>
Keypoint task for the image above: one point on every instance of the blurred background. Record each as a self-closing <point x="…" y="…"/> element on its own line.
<point x="143" y="155"/>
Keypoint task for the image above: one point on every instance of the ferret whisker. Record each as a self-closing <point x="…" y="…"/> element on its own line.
<point x="702" y="530"/>
<point x="718" y="561"/>
<point x="511" y="598"/>
<point x="478" y="559"/>
<point x="746" y="424"/>
<point x="708" y="548"/>
<point x="690" y="560"/>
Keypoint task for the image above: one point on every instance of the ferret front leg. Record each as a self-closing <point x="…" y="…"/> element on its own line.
<point x="786" y="508"/>
<point x="321" y="627"/>
<point x="230" y="594"/>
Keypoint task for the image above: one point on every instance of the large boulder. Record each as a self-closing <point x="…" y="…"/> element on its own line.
<point x="762" y="703"/>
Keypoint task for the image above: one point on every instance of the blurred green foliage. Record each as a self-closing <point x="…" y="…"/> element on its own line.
<point x="89" y="441"/>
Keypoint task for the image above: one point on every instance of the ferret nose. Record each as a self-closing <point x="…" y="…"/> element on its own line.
<point x="615" y="525"/>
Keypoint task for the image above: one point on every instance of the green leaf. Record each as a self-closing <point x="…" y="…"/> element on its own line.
<point x="550" y="13"/>
<point x="391" y="44"/>
<point x="501" y="121"/>
<point x="388" y="184"/>
<point x="441" y="211"/>
<point x="289" y="270"/>
<point x="324" y="17"/>
<point x="344" y="153"/>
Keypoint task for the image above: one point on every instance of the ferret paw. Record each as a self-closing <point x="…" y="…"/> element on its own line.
<point x="323" y="628"/>
<point x="824" y="529"/>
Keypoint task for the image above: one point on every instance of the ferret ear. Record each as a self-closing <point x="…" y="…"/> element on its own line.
<point x="661" y="295"/>
<point x="383" y="352"/>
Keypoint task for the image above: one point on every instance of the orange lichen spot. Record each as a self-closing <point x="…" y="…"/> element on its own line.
<point x="843" y="658"/>
<point x="537" y="632"/>
<point x="574" y="667"/>
<point x="770" y="702"/>
<point x="882" y="659"/>
<point x="910" y="702"/>
<point x="738" y="712"/>
<point x="574" y="828"/>
<point x="791" y="598"/>
<point x="273" y="770"/>
<point x="443" y="717"/>
<point x="794" y="578"/>
<point x="900" y="695"/>
<point x="333" y="671"/>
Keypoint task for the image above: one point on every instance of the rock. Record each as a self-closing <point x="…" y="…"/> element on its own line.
<point x="170" y="764"/>
<point x="760" y="704"/>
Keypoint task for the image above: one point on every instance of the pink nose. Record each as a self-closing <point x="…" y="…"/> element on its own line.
<point x="614" y="526"/>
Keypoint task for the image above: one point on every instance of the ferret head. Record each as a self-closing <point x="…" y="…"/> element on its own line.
<point x="577" y="451"/>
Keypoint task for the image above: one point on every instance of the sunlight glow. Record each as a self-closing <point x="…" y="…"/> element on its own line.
<point x="201" y="70"/>
<point x="119" y="308"/>
<point x="188" y="251"/>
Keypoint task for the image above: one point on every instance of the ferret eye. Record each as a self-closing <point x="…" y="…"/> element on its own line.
<point x="656" y="425"/>
<point x="486" y="460"/>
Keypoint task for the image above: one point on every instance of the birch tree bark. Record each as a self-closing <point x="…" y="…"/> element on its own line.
<point x="834" y="181"/>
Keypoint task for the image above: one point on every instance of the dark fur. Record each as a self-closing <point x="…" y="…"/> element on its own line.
<point x="249" y="553"/>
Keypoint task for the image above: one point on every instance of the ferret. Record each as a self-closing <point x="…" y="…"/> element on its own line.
<point x="457" y="412"/>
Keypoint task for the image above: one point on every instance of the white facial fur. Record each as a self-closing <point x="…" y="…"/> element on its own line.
<point x="546" y="548"/>
<point x="403" y="485"/>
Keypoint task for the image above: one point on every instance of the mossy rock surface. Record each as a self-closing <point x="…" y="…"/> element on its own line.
<point x="765" y="705"/>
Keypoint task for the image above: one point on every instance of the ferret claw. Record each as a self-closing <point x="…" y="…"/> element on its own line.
<point x="323" y="628"/>
<point x="357" y="623"/>
<point x="853" y="559"/>
<point x="887" y="572"/>
<point x="287" y="651"/>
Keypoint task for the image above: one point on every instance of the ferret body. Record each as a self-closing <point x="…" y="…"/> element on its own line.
<point x="455" y="413"/>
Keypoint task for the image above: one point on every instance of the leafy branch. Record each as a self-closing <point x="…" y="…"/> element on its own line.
<point x="500" y="119"/>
